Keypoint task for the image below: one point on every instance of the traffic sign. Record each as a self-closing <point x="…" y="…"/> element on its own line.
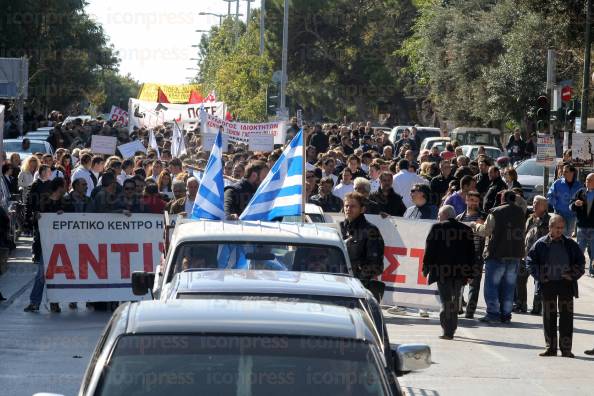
<point x="566" y="93"/>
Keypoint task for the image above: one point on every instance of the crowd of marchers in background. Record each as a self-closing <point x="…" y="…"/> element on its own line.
<point x="343" y="162"/>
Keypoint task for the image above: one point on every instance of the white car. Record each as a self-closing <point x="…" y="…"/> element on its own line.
<point x="35" y="146"/>
<point x="429" y="142"/>
<point x="531" y="177"/>
<point x="211" y="245"/>
<point x="471" y="151"/>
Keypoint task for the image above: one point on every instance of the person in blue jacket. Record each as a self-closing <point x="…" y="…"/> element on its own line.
<point x="560" y="195"/>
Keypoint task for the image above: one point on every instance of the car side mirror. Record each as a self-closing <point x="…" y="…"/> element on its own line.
<point x="142" y="282"/>
<point x="411" y="357"/>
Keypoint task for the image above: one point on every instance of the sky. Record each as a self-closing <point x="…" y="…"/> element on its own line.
<point x="154" y="38"/>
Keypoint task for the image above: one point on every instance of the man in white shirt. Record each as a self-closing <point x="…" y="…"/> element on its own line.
<point x="83" y="171"/>
<point x="404" y="181"/>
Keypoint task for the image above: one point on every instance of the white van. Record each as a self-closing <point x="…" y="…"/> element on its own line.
<point x="477" y="136"/>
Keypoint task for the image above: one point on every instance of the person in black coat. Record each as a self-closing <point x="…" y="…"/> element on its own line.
<point x="319" y="139"/>
<point x="557" y="263"/>
<point x="450" y="270"/>
<point x="386" y="198"/>
<point x="364" y="243"/>
<point x="325" y="199"/>
<point x="497" y="185"/>
<point x="238" y="195"/>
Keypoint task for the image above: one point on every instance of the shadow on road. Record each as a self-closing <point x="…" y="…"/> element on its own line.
<point x="497" y="343"/>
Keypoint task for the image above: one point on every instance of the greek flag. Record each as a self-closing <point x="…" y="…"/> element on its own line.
<point x="280" y="194"/>
<point x="209" y="199"/>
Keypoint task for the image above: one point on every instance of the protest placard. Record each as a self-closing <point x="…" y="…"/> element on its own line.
<point x="103" y="144"/>
<point x="261" y="142"/>
<point x="129" y="149"/>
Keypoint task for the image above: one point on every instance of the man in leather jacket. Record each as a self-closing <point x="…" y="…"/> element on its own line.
<point x="364" y="243"/>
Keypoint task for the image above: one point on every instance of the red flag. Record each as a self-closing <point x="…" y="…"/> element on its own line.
<point x="228" y="116"/>
<point x="212" y="97"/>
<point x="195" y="98"/>
<point x="161" y="97"/>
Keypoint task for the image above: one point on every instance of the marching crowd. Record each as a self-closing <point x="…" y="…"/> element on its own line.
<point x="483" y="215"/>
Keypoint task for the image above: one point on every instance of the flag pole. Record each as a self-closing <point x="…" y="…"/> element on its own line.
<point x="303" y="180"/>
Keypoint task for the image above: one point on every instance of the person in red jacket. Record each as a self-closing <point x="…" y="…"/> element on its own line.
<point x="151" y="200"/>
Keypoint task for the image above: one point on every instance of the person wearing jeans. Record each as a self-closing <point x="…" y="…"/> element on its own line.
<point x="581" y="205"/>
<point x="504" y="230"/>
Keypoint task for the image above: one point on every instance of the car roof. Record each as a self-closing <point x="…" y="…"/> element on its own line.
<point x="471" y="146"/>
<point x="494" y="131"/>
<point x="20" y="140"/>
<point x="269" y="282"/>
<point x="260" y="317"/>
<point x="432" y="138"/>
<point x="205" y="230"/>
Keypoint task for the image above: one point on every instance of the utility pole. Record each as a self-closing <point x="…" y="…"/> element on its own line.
<point x="262" y="16"/>
<point x="284" y="79"/>
<point x="551" y="81"/>
<point x="236" y="24"/>
<point x="586" y="80"/>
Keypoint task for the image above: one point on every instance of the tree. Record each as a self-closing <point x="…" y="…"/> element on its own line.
<point x="235" y="70"/>
<point x="67" y="50"/>
<point x="117" y="89"/>
<point x="484" y="61"/>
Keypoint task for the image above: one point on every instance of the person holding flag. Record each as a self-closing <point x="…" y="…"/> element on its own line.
<point x="281" y="192"/>
<point x="209" y="199"/>
<point x="153" y="143"/>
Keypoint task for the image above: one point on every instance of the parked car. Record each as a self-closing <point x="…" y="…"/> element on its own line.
<point x="477" y="136"/>
<point x="224" y="347"/>
<point x="422" y="132"/>
<point x="531" y="177"/>
<point x="42" y="133"/>
<point x="429" y="142"/>
<point x="471" y="151"/>
<point x="35" y="146"/>
<point x="276" y="285"/>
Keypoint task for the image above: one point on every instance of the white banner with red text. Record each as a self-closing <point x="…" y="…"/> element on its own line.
<point x="152" y="114"/>
<point x="404" y="242"/>
<point x="90" y="257"/>
<point x="240" y="132"/>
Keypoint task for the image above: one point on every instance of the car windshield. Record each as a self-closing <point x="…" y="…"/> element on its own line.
<point x="478" y="138"/>
<point x="531" y="168"/>
<point x="263" y="256"/>
<point x="231" y="365"/>
<point x="17" y="147"/>
<point x="490" y="152"/>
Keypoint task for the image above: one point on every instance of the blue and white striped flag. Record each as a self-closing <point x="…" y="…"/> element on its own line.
<point x="280" y="194"/>
<point x="209" y="203"/>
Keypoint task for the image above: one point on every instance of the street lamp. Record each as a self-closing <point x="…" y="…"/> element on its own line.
<point x="247" y="20"/>
<point x="201" y="31"/>
<point x="213" y="14"/>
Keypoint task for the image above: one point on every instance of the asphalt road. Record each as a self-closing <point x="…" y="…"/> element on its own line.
<point x="49" y="352"/>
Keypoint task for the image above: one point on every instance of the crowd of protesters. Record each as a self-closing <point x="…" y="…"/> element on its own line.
<point x="344" y="162"/>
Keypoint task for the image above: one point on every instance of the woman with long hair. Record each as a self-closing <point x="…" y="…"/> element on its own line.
<point x="164" y="182"/>
<point x="28" y="170"/>
<point x="65" y="165"/>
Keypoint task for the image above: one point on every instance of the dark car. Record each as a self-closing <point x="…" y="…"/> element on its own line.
<point x="235" y="347"/>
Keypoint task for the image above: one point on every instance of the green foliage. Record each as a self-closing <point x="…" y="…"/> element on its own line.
<point x="67" y="50"/>
<point x="235" y="69"/>
<point x="485" y="61"/>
